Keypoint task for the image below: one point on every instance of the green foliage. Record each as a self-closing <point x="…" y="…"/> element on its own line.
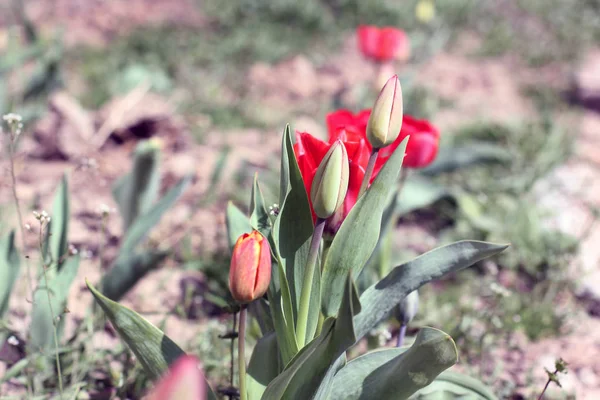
<point x="451" y="385"/>
<point x="9" y="269"/>
<point x="137" y="196"/>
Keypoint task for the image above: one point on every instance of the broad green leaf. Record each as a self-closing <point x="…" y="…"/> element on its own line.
<point x="47" y="314"/>
<point x="457" y="157"/>
<point x="58" y="228"/>
<point x="137" y="191"/>
<point x="303" y="375"/>
<point x="128" y="270"/>
<point x="144" y="223"/>
<point x="379" y="300"/>
<point x="454" y="386"/>
<point x="324" y="391"/>
<point x="263" y="366"/>
<point x="395" y="374"/>
<point x="9" y="269"/>
<point x="357" y="237"/>
<point x="419" y="193"/>
<point x="292" y="233"/>
<point x="261" y="311"/>
<point x="237" y="223"/>
<point x="259" y="217"/>
<point x="153" y="349"/>
<point x="282" y="314"/>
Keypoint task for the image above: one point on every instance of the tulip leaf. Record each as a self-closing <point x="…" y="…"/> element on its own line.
<point x="263" y="366"/>
<point x="144" y="223"/>
<point x="452" y="385"/>
<point x="154" y="350"/>
<point x="419" y="193"/>
<point x="457" y="157"/>
<point x="9" y="269"/>
<point x="396" y="373"/>
<point x="282" y="314"/>
<point x="292" y="233"/>
<point x="304" y="373"/>
<point x="46" y="312"/>
<point x="128" y="270"/>
<point x="358" y="236"/>
<point x="324" y="391"/>
<point x="237" y="223"/>
<point x="58" y="227"/>
<point x="379" y="299"/>
<point x="259" y="217"/>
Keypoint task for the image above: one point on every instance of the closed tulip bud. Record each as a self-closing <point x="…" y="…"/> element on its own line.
<point x="250" y="271"/>
<point x="408" y="308"/>
<point x="330" y="184"/>
<point x="386" y="117"/>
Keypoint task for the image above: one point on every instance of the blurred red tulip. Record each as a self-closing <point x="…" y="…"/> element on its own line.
<point x="383" y="44"/>
<point x="250" y="270"/>
<point x="184" y="381"/>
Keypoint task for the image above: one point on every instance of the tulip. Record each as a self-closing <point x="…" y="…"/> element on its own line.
<point x="422" y="147"/>
<point x="183" y="381"/>
<point x="330" y="183"/>
<point x="408" y="307"/>
<point x="250" y="270"/>
<point x="383" y="44"/>
<point x="386" y="117"/>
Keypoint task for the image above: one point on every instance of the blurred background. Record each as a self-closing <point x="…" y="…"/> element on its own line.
<point x="512" y="85"/>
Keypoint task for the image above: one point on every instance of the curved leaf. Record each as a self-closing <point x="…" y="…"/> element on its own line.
<point x="9" y="269"/>
<point x="457" y="157"/>
<point x="154" y="350"/>
<point x="263" y="366"/>
<point x="395" y="374"/>
<point x="379" y="300"/>
<point x="452" y="385"/>
<point x="357" y="237"/>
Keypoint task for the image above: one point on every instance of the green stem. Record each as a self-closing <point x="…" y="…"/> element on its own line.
<point x="309" y="273"/>
<point x="370" y="167"/>
<point x="242" y="354"/>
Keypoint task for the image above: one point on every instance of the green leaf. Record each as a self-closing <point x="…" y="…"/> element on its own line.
<point x="58" y="227"/>
<point x="457" y="157"/>
<point x="379" y="300"/>
<point x="9" y="269"/>
<point x="259" y="217"/>
<point x="142" y="225"/>
<point x="395" y="373"/>
<point x="357" y="237"/>
<point x="136" y="192"/>
<point x="263" y="366"/>
<point x="44" y="310"/>
<point x="302" y="377"/>
<point x="419" y="193"/>
<point x="237" y="223"/>
<point x="452" y="385"/>
<point x="153" y="349"/>
<point x="324" y="391"/>
<point x="292" y="233"/>
<point x="128" y="270"/>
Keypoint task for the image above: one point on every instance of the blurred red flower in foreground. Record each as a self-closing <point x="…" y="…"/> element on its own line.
<point x="351" y="130"/>
<point x="184" y="381"/>
<point x="383" y="44"/>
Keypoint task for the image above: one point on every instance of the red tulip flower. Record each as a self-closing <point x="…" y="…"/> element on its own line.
<point x="383" y="44"/>
<point x="250" y="270"/>
<point x="184" y="381"/>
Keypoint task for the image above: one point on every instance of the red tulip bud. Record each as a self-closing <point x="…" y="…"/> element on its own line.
<point x="386" y="117"/>
<point x="184" y="381"/>
<point x="250" y="271"/>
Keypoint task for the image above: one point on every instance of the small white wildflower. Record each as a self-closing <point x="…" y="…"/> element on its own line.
<point x="104" y="210"/>
<point x="12" y="118"/>
<point x="13" y="341"/>
<point x="73" y="250"/>
<point x="44" y="214"/>
<point x="37" y="215"/>
<point x="28" y="227"/>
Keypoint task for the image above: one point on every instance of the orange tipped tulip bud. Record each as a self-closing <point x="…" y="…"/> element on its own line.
<point x="183" y="381"/>
<point x="330" y="185"/>
<point x="250" y="271"/>
<point x="385" y="121"/>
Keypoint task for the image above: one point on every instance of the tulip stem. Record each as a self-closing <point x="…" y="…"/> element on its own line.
<point x="369" y="172"/>
<point x="309" y="273"/>
<point x="242" y="353"/>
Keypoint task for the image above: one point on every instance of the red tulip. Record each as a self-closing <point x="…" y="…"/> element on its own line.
<point x="184" y="381"/>
<point x="383" y="44"/>
<point x="250" y="270"/>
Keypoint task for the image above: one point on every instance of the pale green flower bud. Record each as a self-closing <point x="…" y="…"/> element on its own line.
<point x="385" y="121"/>
<point x="407" y="309"/>
<point x="330" y="183"/>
